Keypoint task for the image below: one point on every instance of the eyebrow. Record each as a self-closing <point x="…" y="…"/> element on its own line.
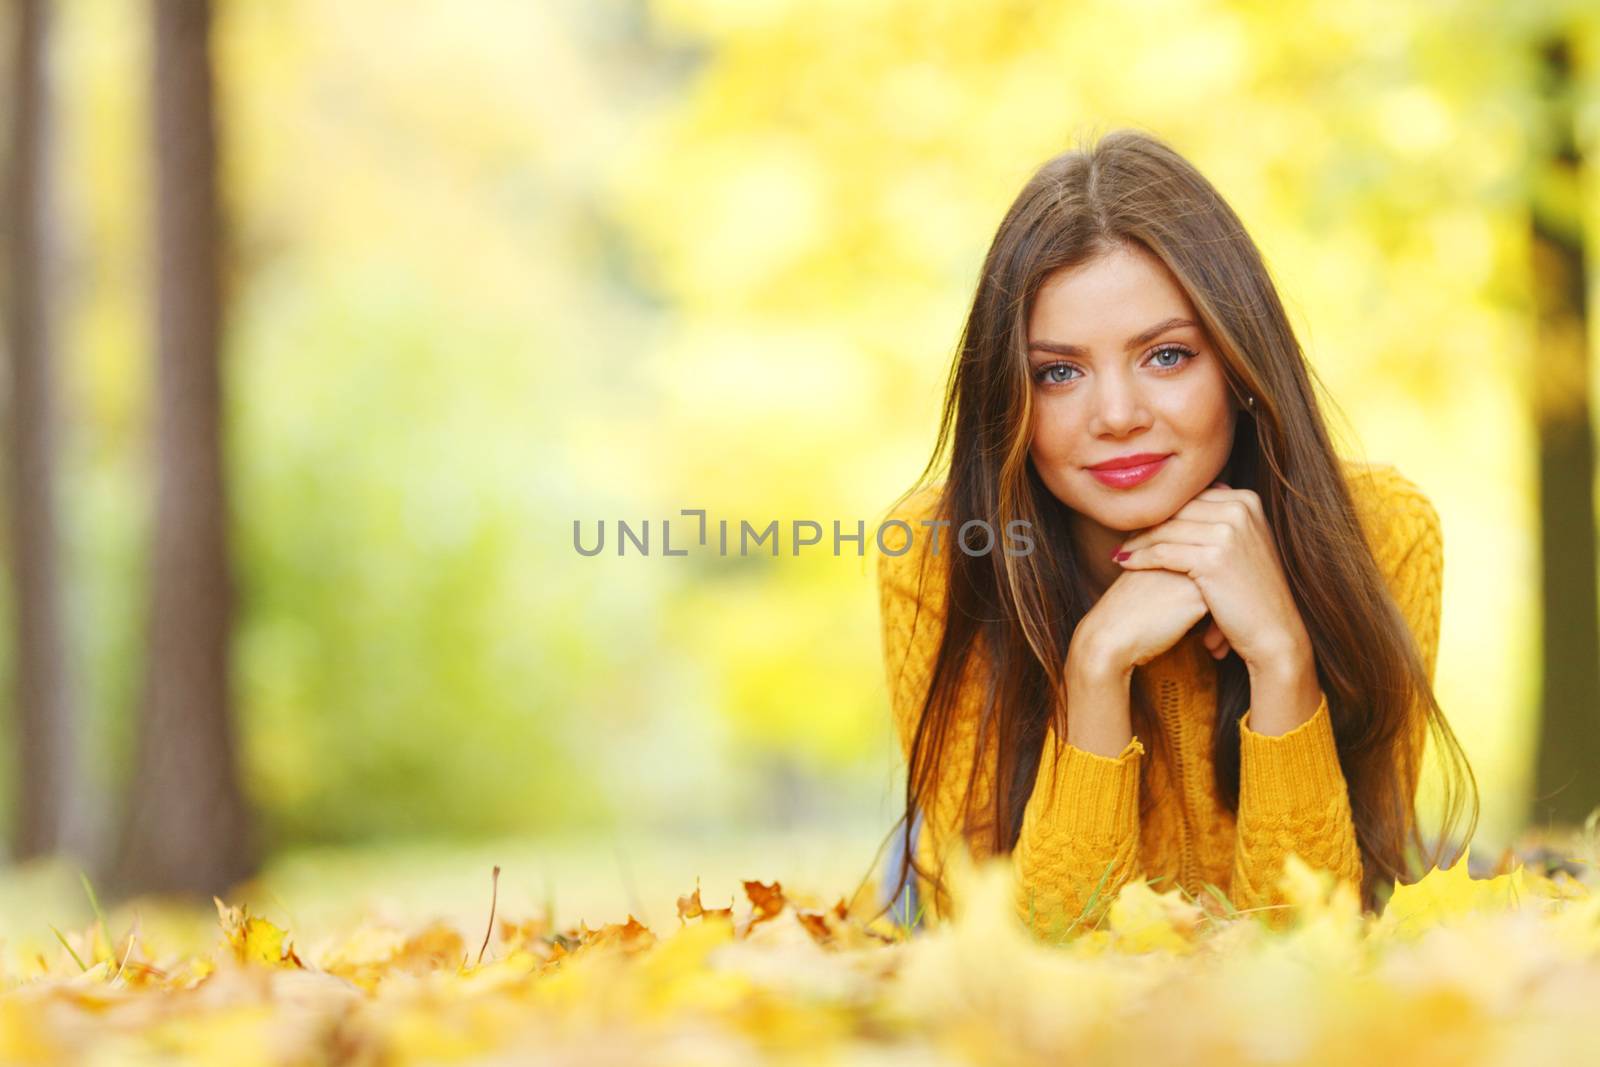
<point x="1147" y="336"/>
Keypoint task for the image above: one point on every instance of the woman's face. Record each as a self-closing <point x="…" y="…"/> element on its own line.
<point x="1121" y="366"/>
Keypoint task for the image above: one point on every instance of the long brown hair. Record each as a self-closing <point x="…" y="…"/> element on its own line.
<point x="1018" y="612"/>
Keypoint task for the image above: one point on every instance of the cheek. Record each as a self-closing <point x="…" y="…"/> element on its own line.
<point x="1202" y="415"/>
<point x="1052" y="432"/>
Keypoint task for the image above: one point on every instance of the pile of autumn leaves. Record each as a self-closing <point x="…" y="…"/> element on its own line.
<point x="1455" y="970"/>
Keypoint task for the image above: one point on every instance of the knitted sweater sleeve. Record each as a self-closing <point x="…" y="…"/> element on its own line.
<point x="1080" y="831"/>
<point x="1080" y="836"/>
<point x="1292" y="792"/>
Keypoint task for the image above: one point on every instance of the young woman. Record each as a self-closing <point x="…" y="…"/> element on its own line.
<point x="1219" y="647"/>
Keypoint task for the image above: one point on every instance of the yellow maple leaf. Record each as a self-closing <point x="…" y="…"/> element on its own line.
<point x="1327" y="920"/>
<point x="1144" y="920"/>
<point x="1315" y="892"/>
<point x="255" y="940"/>
<point x="1448" y="893"/>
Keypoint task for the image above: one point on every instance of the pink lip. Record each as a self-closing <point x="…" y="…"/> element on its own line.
<point x="1128" y="477"/>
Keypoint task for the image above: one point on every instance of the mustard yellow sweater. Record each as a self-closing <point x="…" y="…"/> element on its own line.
<point x="1292" y="793"/>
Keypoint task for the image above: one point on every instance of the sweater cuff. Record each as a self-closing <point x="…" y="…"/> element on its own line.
<point x="1289" y="772"/>
<point x="1092" y="794"/>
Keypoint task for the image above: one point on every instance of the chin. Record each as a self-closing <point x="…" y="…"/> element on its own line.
<point x="1135" y="515"/>
<point x="1127" y="517"/>
<point x="1130" y="521"/>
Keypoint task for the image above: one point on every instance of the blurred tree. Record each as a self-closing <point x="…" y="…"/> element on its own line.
<point x="50" y="806"/>
<point x="1567" y="785"/>
<point x="186" y="828"/>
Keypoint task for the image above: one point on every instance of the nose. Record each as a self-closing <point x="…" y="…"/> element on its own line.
<point x="1119" y="406"/>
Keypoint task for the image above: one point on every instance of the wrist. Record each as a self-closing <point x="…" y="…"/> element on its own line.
<point x="1283" y="661"/>
<point x="1092" y="661"/>
<point x="1283" y="695"/>
<point x="1099" y="719"/>
<point x="1097" y="683"/>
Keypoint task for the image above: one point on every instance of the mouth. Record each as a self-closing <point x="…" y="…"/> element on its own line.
<point x="1130" y="476"/>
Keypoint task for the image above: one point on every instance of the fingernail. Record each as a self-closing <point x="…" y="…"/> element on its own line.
<point x="1119" y="556"/>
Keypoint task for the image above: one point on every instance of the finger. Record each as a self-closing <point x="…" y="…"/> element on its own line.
<point x="1180" y="531"/>
<point x="1165" y="555"/>
<point x="1223" y="491"/>
<point x="1233" y="512"/>
<point x="1214" y="495"/>
<point x="1215" y="643"/>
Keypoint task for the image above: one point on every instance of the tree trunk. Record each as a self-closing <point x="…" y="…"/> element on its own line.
<point x="187" y="830"/>
<point x="1567" y="785"/>
<point x="50" y="812"/>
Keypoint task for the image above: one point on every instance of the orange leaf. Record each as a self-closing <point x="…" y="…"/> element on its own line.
<point x="767" y="899"/>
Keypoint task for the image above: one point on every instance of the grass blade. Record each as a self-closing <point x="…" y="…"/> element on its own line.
<point x="63" y="939"/>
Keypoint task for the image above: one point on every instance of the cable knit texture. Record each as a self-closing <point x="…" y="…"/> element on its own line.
<point x="1082" y="836"/>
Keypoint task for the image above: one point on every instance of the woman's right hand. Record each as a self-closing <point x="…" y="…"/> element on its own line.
<point x="1139" y="616"/>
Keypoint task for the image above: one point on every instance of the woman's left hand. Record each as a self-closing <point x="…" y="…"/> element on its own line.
<point x="1220" y="539"/>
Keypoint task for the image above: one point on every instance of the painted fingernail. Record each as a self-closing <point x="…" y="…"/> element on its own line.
<point x="1120" y="556"/>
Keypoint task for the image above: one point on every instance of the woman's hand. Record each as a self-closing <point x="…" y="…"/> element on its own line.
<point x="1141" y="614"/>
<point x="1220" y="540"/>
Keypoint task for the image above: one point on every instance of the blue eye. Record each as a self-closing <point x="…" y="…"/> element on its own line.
<point x="1047" y="373"/>
<point x="1173" y="350"/>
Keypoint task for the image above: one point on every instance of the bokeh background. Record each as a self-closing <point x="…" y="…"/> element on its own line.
<point x="491" y="267"/>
